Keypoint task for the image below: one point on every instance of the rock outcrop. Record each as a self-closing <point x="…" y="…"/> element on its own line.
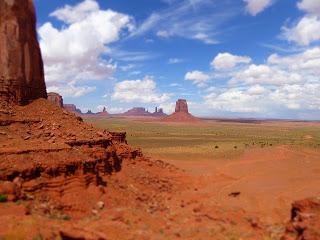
<point x="182" y="106"/>
<point x="21" y="66"/>
<point x="305" y="220"/>
<point x="56" y="99"/>
<point x="181" y="114"/>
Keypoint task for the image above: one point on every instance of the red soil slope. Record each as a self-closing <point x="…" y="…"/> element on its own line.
<point x="181" y="117"/>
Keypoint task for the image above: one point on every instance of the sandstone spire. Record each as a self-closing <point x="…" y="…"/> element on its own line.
<point x="21" y="66"/>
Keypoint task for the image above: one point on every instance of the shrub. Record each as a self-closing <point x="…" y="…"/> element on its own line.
<point x="3" y="198"/>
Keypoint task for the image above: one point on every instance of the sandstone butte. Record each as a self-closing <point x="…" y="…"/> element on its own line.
<point x="60" y="178"/>
<point x="21" y="67"/>
<point x="181" y="114"/>
<point x="56" y="99"/>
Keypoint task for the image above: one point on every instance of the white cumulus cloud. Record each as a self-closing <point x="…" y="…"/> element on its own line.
<point x="142" y="91"/>
<point x="306" y="31"/>
<point x="75" y="51"/>
<point x="227" y="61"/>
<point x="71" y="90"/>
<point x="310" y="6"/>
<point x="264" y="74"/>
<point x="197" y="77"/>
<point x="287" y="84"/>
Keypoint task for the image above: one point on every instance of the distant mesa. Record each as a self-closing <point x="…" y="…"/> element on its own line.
<point x="137" y="111"/>
<point x="21" y="66"/>
<point x="72" y="108"/>
<point x="134" y="112"/>
<point x="55" y="99"/>
<point x="142" y="112"/>
<point x="181" y="113"/>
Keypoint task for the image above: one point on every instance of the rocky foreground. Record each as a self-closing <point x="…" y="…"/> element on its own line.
<point x="55" y="168"/>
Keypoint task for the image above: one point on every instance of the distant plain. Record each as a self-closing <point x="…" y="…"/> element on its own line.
<point x="210" y="139"/>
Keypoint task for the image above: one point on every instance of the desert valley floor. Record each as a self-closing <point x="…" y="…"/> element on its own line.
<point x="255" y="167"/>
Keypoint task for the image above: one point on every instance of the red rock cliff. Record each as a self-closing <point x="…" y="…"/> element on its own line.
<point x="21" y="66"/>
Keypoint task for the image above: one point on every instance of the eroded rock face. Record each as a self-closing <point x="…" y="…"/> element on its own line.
<point x="56" y="99"/>
<point x="182" y="106"/>
<point x="304" y="223"/>
<point x="21" y="66"/>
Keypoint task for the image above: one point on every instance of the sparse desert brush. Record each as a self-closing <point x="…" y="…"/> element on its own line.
<point x="3" y="198"/>
<point x="192" y="141"/>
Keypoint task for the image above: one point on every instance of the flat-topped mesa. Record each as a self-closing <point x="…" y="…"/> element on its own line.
<point x="21" y="66"/>
<point x="72" y="108"/>
<point x="55" y="99"/>
<point x="182" y="106"/>
<point x="137" y="111"/>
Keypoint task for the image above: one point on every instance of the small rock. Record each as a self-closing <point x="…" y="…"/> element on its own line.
<point x="100" y="205"/>
<point x="26" y="138"/>
<point x="101" y="134"/>
<point x="94" y="212"/>
<point x="18" y="181"/>
<point x="254" y="222"/>
<point x="234" y="194"/>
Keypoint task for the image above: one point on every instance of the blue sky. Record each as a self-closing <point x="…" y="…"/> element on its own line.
<point x="233" y="58"/>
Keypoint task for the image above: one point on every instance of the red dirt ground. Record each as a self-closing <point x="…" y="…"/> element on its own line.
<point x="181" y="117"/>
<point x="268" y="180"/>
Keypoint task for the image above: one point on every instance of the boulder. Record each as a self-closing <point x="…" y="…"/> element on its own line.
<point x="21" y="66"/>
